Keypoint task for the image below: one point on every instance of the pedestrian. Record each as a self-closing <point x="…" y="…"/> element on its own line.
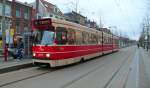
<point x="20" y="49"/>
<point x="138" y="45"/>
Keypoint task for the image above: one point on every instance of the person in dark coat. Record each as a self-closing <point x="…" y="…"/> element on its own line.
<point x="138" y="45"/>
<point x="20" y="49"/>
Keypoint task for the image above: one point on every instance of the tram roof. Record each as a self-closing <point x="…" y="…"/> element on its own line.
<point x="77" y="26"/>
<point x="83" y="28"/>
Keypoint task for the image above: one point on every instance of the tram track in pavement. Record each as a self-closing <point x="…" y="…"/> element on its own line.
<point x="29" y="76"/>
<point x="48" y="70"/>
<point x="120" y="70"/>
<point x="95" y="69"/>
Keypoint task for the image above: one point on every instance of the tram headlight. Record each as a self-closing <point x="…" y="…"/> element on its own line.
<point x="48" y="55"/>
<point x="34" y="54"/>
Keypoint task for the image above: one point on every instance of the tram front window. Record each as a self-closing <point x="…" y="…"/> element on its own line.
<point x="44" y="37"/>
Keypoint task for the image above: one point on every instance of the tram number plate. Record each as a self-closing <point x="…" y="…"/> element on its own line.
<point x="40" y="55"/>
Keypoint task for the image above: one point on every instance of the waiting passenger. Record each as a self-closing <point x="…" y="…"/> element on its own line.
<point x="70" y="40"/>
<point x="64" y="39"/>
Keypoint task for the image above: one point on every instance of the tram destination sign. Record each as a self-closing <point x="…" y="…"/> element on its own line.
<point x="42" y="22"/>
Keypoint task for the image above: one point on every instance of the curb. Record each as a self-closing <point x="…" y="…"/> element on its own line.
<point x="16" y="67"/>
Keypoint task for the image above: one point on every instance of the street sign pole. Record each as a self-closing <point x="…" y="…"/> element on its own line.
<point x="3" y="30"/>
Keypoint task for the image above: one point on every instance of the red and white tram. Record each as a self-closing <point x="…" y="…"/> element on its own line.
<point x="59" y="42"/>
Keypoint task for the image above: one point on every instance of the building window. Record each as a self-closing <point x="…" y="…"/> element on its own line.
<point x="25" y="29"/>
<point x="55" y="10"/>
<point x="26" y="26"/>
<point x="56" y="16"/>
<point x="26" y="14"/>
<point x="17" y="12"/>
<point x="1" y="6"/>
<point x="17" y="26"/>
<point x="46" y="5"/>
<point x="7" y="10"/>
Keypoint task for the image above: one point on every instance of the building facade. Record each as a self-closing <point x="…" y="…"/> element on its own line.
<point x="20" y="17"/>
<point x="45" y="9"/>
<point x="76" y="17"/>
<point x="7" y="15"/>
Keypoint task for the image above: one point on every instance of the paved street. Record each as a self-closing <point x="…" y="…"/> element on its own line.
<point x="128" y="68"/>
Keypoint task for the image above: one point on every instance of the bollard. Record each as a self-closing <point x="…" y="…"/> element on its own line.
<point x="5" y="53"/>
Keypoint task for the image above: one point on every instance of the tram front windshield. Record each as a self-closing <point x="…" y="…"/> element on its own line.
<point x="43" y="37"/>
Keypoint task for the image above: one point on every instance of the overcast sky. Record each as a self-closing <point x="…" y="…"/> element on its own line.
<point x="126" y="15"/>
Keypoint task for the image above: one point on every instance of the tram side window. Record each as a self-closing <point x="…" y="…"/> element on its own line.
<point x="113" y="41"/>
<point x="109" y="39"/>
<point x="89" y="39"/>
<point x="95" y="39"/>
<point x="99" y="39"/>
<point x="61" y="35"/>
<point x="117" y="41"/>
<point x="78" y="37"/>
<point x="71" y="36"/>
<point x="85" y="38"/>
<point x="105" y="40"/>
<point x="92" y="39"/>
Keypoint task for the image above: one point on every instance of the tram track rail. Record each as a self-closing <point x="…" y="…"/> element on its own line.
<point x="95" y="69"/>
<point x="48" y="70"/>
<point x="43" y="73"/>
<point x="28" y="77"/>
<point x="98" y="67"/>
<point x="123" y="63"/>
